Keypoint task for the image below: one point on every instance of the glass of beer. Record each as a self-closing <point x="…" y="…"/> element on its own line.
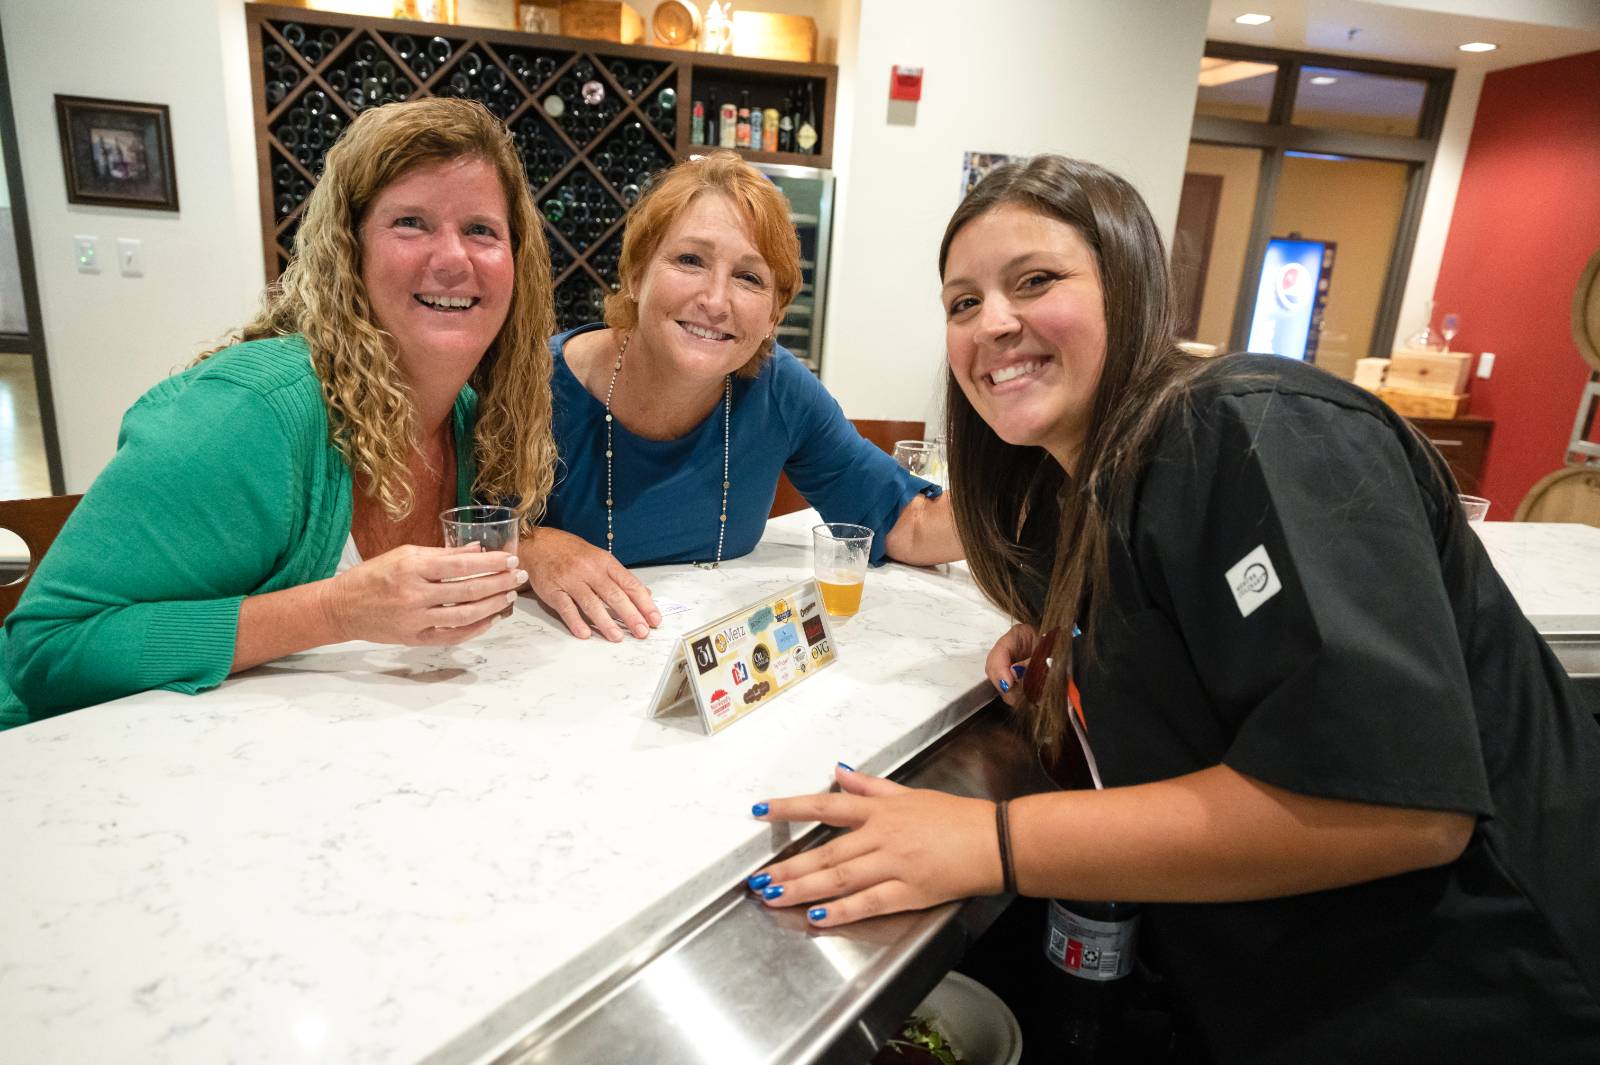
<point x="841" y="553"/>
<point x="493" y="527"/>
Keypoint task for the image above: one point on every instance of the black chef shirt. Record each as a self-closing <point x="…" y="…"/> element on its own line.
<point x="1293" y="594"/>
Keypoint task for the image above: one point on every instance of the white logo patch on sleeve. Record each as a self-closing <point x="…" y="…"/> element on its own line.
<point x="1253" y="581"/>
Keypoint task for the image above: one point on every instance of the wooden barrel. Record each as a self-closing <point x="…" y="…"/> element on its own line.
<point x="1586" y="313"/>
<point x="1570" y="495"/>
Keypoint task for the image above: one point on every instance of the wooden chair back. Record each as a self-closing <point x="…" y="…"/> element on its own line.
<point x="36" y="522"/>
<point x="1571" y="494"/>
<point x="882" y="433"/>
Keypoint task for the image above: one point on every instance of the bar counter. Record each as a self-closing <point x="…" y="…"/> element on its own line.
<point x="371" y="854"/>
<point x="490" y="854"/>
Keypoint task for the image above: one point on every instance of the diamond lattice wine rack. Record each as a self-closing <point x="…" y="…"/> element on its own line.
<point x="594" y="121"/>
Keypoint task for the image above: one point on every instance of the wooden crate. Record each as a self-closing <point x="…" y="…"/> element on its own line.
<point x="1442" y="372"/>
<point x="1417" y="404"/>
<point x="601" y="20"/>
<point x="764" y="35"/>
<point x="490" y="14"/>
<point x="1370" y="373"/>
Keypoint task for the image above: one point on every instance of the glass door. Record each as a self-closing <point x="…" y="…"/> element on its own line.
<point x="30" y="458"/>
<point x="810" y="195"/>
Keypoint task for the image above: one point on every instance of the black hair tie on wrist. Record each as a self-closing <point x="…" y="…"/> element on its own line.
<point x="1002" y="829"/>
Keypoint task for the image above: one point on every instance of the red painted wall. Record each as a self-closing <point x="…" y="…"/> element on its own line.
<point x="1526" y="220"/>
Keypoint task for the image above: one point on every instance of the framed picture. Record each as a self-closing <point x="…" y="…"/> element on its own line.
<point x="117" y="154"/>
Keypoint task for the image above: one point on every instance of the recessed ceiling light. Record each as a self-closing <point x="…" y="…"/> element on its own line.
<point x="1253" y="20"/>
<point x="1323" y="79"/>
<point x="1479" y="46"/>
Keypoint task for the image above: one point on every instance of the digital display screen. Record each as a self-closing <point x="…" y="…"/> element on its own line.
<point x="1288" y="309"/>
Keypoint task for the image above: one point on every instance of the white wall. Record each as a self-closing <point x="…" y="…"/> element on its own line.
<point x="111" y="337"/>
<point x="1439" y="204"/>
<point x="1112" y="81"/>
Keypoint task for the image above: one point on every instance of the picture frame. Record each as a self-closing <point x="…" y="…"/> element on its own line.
<point x="117" y="153"/>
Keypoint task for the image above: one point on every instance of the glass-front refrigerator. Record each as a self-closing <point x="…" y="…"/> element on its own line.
<point x="810" y="194"/>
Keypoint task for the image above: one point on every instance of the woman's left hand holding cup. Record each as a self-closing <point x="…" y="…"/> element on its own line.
<point x="422" y="595"/>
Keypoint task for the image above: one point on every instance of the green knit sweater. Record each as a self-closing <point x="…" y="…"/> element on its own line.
<point x="224" y="485"/>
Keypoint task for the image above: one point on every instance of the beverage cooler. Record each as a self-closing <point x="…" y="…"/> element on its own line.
<point x="810" y="194"/>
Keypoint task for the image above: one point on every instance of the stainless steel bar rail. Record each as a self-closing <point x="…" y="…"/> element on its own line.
<point x="742" y="983"/>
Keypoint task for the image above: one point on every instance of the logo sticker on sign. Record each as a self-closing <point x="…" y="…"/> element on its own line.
<point x="747" y="658"/>
<point x="705" y="659"/>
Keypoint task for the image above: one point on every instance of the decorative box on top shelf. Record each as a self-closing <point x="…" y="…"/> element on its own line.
<point x="601" y="20"/>
<point x="764" y="35"/>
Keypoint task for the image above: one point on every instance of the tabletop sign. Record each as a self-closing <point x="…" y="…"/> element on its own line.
<point x="744" y="659"/>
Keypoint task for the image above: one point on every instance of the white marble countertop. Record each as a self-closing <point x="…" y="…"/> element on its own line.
<point x="368" y="854"/>
<point x="1553" y="570"/>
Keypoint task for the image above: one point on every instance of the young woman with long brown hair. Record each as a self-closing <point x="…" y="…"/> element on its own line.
<point x="1348" y="779"/>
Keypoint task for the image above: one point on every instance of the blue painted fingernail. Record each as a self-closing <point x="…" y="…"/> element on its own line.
<point x="1019" y="670"/>
<point x="773" y="891"/>
<point x="817" y="913"/>
<point x="847" y="767"/>
<point x="1004" y="686"/>
<point x="759" y="810"/>
<point x="759" y="881"/>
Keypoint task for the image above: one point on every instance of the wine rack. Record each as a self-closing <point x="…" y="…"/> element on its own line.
<point x="594" y="122"/>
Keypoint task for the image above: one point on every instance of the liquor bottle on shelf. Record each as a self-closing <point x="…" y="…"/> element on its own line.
<point x="786" y="127"/>
<point x="713" y="113"/>
<point x="769" y="130"/>
<point x="1090" y="946"/>
<point x="743" y="136"/>
<point x="806" y="136"/>
<point x="728" y="125"/>
<point x="697" y="123"/>
<point x="757" y="128"/>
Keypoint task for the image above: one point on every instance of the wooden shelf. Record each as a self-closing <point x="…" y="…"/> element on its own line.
<point x="309" y="83"/>
<point x="783" y="158"/>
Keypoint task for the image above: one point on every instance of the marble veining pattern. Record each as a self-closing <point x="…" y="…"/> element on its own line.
<point x="367" y="854"/>
<point x="1553" y="569"/>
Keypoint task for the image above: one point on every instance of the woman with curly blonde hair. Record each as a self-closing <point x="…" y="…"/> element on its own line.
<point x="284" y="492"/>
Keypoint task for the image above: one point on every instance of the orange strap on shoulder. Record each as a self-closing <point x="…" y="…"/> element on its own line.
<point x="1075" y="701"/>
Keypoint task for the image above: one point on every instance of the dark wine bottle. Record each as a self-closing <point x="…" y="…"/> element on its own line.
<point x="806" y="135"/>
<point x="786" y="127"/>
<point x="1090" y="946"/>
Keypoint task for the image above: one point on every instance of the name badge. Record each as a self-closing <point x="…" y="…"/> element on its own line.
<point x="747" y="658"/>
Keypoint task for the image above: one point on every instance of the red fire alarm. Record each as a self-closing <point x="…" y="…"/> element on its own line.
<point x="905" y="83"/>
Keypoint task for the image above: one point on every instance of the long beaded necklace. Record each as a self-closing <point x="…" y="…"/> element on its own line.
<point x="727" y="432"/>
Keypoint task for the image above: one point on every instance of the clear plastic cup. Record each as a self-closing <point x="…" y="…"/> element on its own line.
<point x="841" y="553"/>
<point x="1475" y="507"/>
<point x="493" y="527"/>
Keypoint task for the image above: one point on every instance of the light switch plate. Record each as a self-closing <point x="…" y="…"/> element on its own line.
<point x="86" y="251"/>
<point x="1486" y="364"/>
<point x="130" y="260"/>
